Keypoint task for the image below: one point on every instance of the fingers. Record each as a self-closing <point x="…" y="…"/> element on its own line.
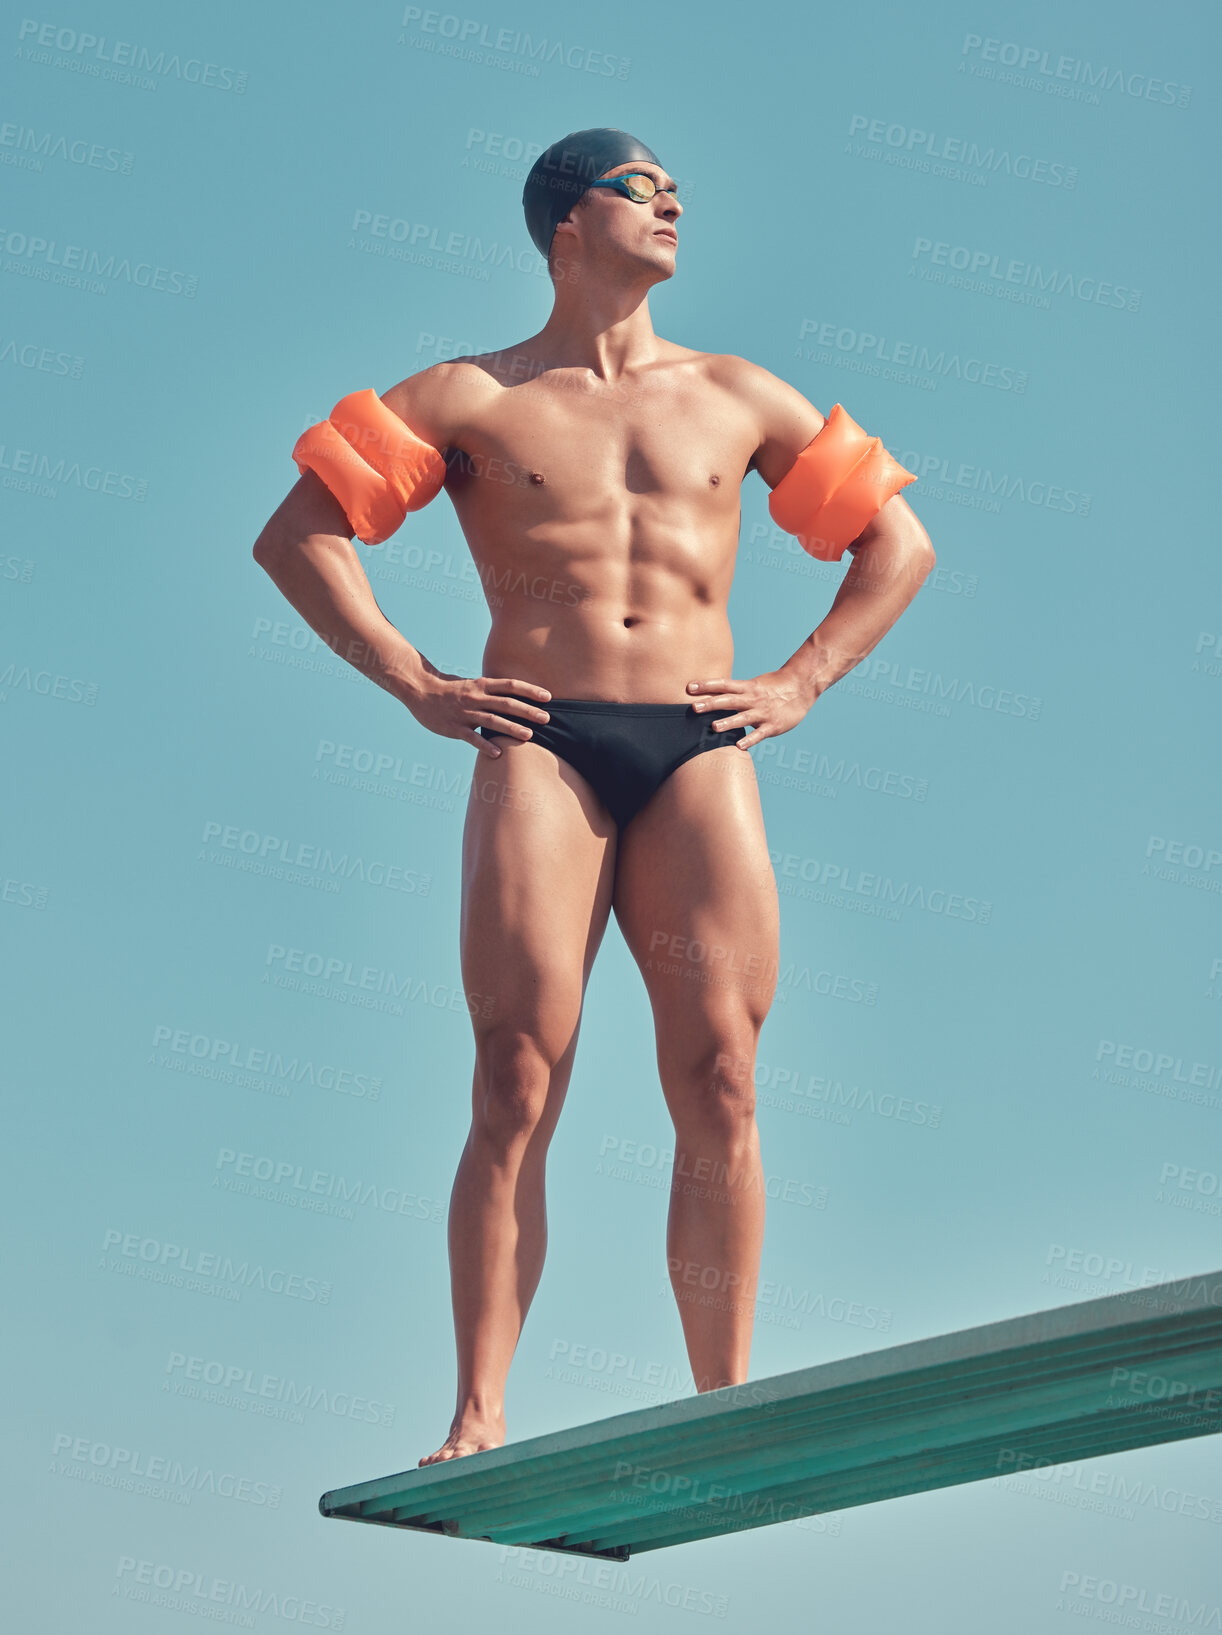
<point x="501" y="684"/>
<point x="500" y="723"/>
<point x="718" y="684"/>
<point x="498" y="690"/>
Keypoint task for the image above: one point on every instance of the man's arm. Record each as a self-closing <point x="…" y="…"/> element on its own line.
<point x="306" y="548"/>
<point x="891" y="556"/>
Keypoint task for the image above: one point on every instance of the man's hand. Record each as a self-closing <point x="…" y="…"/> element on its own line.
<point x="454" y="706"/>
<point x="771" y="703"/>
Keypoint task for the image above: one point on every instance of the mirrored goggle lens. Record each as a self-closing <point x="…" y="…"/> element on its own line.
<point x="640" y="188"/>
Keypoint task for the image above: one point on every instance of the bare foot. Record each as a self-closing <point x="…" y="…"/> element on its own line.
<point x="471" y="1434"/>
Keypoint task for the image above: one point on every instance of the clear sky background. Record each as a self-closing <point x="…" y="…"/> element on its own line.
<point x="1005" y="1095"/>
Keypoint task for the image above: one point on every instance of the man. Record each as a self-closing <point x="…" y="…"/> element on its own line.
<point x="595" y="469"/>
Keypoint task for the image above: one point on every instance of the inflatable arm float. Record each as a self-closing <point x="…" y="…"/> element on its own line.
<point x="374" y="464"/>
<point x="838" y="482"/>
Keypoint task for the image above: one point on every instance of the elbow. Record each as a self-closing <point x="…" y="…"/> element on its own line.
<point x="266" y="549"/>
<point x="921" y="547"/>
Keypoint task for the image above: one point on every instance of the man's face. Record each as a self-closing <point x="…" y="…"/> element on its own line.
<point x="608" y="229"/>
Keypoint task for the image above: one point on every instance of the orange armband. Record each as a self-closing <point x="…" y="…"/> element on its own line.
<point x="377" y="468"/>
<point x="838" y="482"/>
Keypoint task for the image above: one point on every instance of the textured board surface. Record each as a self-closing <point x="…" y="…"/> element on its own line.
<point x="1125" y="1371"/>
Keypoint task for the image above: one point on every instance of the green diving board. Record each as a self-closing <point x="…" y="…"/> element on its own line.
<point x="1100" y="1376"/>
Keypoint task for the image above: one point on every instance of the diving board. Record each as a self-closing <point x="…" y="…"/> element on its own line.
<point x="1125" y="1371"/>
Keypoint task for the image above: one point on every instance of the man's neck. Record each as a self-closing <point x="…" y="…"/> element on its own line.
<point x="607" y="331"/>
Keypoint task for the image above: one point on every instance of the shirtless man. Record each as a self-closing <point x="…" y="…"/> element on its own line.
<point x="595" y="469"/>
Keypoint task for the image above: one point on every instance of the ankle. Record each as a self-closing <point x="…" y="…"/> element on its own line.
<point x="479" y="1410"/>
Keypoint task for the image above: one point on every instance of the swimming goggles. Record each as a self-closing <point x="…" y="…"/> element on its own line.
<point x="640" y="189"/>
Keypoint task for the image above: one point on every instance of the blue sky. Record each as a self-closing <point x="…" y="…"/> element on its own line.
<point x="987" y="239"/>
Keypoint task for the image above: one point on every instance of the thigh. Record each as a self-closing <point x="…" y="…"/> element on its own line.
<point x="538" y="861"/>
<point x="696" y="899"/>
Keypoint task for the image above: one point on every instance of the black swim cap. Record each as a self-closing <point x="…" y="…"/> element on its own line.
<point x="563" y="172"/>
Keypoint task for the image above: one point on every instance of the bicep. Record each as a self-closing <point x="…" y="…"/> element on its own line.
<point x="308" y="509"/>
<point x="430" y="402"/>
<point x="787" y="422"/>
<point x="895" y="519"/>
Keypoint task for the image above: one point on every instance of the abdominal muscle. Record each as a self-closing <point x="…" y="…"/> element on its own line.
<point x="596" y="654"/>
<point x="640" y="638"/>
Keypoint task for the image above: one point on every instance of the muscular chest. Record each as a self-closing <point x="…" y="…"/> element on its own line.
<point x="554" y="449"/>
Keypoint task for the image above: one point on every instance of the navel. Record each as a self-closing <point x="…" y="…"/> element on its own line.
<point x="714" y="480"/>
<point x="537" y="477"/>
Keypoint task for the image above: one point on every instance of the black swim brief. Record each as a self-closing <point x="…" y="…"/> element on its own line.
<point x="625" y="751"/>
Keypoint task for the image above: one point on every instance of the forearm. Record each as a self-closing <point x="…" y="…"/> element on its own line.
<point x="323" y="579"/>
<point x="888" y="569"/>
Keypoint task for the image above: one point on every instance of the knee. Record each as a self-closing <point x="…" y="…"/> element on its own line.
<point x="513" y="1080"/>
<point x="716" y="1091"/>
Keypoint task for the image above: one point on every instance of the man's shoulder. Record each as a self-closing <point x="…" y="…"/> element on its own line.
<point x="743" y="371"/>
<point x="435" y="380"/>
<point x="738" y="375"/>
<point x="437" y="398"/>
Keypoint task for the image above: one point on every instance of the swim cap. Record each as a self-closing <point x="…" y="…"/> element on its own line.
<point x="563" y="172"/>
